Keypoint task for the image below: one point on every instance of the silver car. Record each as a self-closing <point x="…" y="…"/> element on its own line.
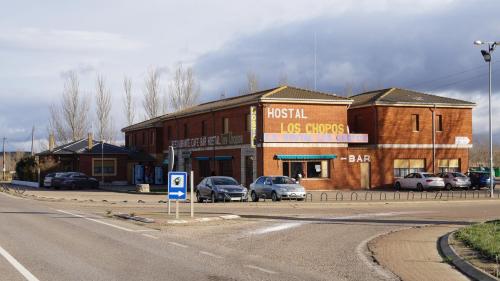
<point x="276" y="188"/>
<point x="455" y="180"/>
<point x="220" y="189"/>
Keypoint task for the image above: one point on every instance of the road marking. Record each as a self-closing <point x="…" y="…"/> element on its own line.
<point x="178" y="244"/>
<point x="19" y="267"/>
<point x="210" y="254"/>
<point x="261" y="269"/>
<point x="97" y="221"/>
<point x="146" y="230"/>
<point x="279" y="227"/>
<point x="150" y="236"/>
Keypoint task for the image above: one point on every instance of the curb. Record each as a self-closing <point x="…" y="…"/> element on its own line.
<point x="219" y="218"/>
<point x="462" y="265"/>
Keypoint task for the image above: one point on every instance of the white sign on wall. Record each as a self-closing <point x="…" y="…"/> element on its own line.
<point x="462" y="140"/>
<point x="359" y="158"/>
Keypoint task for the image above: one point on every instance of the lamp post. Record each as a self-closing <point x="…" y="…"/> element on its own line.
<point x="487" y="58"/>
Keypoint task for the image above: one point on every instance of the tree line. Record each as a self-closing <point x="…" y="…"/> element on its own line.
<point x="71" y="117"/>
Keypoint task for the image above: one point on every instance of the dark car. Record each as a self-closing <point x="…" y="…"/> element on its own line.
<point x="479" y="179"/>
<point x="220" y="189"/>
<point x="74" y="180"/>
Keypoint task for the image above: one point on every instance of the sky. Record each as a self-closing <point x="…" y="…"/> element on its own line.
<point x="357" y="45"/>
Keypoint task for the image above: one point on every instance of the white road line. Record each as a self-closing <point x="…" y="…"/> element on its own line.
<point x="279" y="227"/>
<point x="177" y="244"/>
<point x="261" y="269"/>
<point x="17" y="265"/>
<point x="150" y="236"/>
<point x="97" y="221"/>
<point x="210" y="255"/>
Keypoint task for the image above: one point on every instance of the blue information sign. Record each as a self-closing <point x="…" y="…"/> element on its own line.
<point x="177" y="185"/>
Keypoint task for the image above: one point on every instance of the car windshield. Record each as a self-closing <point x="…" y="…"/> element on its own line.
<point x="429" y="175"/>
<point x="224" y="181"/>
<point x="283" y="180"/>
<point x="458" y="175"/>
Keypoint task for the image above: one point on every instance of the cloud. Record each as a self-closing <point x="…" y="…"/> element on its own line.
<point x="66" y="40"/>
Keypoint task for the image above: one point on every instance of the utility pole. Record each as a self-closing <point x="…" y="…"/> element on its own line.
<point x="32" y="139"/>
<point x="3" y="160"/>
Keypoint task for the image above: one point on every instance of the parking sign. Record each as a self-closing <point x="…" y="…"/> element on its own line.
<point x="177" y="185"/>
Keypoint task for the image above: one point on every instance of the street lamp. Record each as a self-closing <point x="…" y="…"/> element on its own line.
<point x="487" y="58"/>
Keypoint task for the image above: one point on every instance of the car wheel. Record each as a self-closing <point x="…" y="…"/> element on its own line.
<point x="274" y="197"/>
<point x="198" y="197"/>
<point x="420" y="187"/>
<point x="213" y="197"/>
<point x="254" y="196"/>
<point x="398" y="186"/>
<point x="448" y="187"/>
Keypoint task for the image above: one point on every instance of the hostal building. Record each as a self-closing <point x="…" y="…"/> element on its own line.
<point x="327" y="141"/>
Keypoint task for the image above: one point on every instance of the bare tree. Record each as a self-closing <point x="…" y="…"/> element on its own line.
<point x="348" y="89"/>
<point x="253" y="82"/>
<point x="69" y="119"/>
<point x="151" y="102"/>
<point x="128" y="102"/>
<point x="103" y="109"/>
<point x="183" y="89"/>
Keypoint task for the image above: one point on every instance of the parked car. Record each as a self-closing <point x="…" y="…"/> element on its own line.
<point x="455" y="180"/>
<point x="480" y="179"/>
<point x="419" y="181"/>
<point x="219" y="188"/>
<point x="276" y="188"/>
<point x="74" y="180"/>
<point x="47" y="180"/>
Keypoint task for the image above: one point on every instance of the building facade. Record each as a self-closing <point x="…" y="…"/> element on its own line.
<point x="326" y="141"/>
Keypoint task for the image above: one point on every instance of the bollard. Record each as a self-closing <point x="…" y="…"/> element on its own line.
<point x="394" y="195"/>
<point x="354" y="193"/>
<point x="438" y="193"/>
<point x="385" y="196"/>
<point x="326" y="196"/>
<point x="408" y="195"/>
<point x="337" y="196"/>
<point x="310" y="197"/>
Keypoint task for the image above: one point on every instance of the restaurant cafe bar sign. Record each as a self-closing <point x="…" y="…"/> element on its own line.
<point x="219" y="140"/>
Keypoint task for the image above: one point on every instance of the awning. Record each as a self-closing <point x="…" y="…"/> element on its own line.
<point x="305" y="156"/>
<point x="221" y="158"/>
<point x="201" y="158"/>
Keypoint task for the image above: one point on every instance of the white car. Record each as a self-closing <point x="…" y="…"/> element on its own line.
<point x="420" y="182"/>
<point x="455" y="180"/>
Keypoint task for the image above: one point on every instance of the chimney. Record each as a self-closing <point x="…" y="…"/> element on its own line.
<point x="91" y="141"/>
<point x="52" y="142"/>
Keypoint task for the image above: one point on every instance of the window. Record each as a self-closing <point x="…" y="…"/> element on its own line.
<point x="403" y="167"/>
<point x="307" y="169"/>
<point x="152" y="140"/>
<point x="415" y="122"/>
<point x="260" y="180"/>
<point x="109" y="167"/>
<point x="204" y="166"/>
<point x="225" y="125"/>
<point x="203" y="128"/>
<point x="186" y="130"/>
<point x="248" y="122"/>
<point x="439" y="123"/>
<point x="449" y="165"/>
<point x="143" y="138"/>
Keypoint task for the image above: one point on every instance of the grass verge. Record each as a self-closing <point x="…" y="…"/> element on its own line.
<point x="483" y="238"/>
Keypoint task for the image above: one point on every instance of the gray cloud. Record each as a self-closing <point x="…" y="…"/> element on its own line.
<point x="368" y="50"/>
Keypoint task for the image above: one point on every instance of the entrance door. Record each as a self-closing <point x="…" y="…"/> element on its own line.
<point x="365" y="175"/>
<point x="248" y="171"/>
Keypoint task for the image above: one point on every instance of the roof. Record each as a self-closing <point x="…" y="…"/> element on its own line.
<point x="403" y="97"/>
<point x="81" y="147"/>
<point x="278" y="94"/>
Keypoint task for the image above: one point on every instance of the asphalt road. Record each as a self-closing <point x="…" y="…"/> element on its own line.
<point x="282" y="241"/>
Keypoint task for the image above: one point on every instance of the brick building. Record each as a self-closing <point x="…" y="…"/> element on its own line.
<point x="329" y="141"/>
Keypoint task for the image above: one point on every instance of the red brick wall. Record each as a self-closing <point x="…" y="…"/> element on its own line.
<point x="85" y="164"/>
